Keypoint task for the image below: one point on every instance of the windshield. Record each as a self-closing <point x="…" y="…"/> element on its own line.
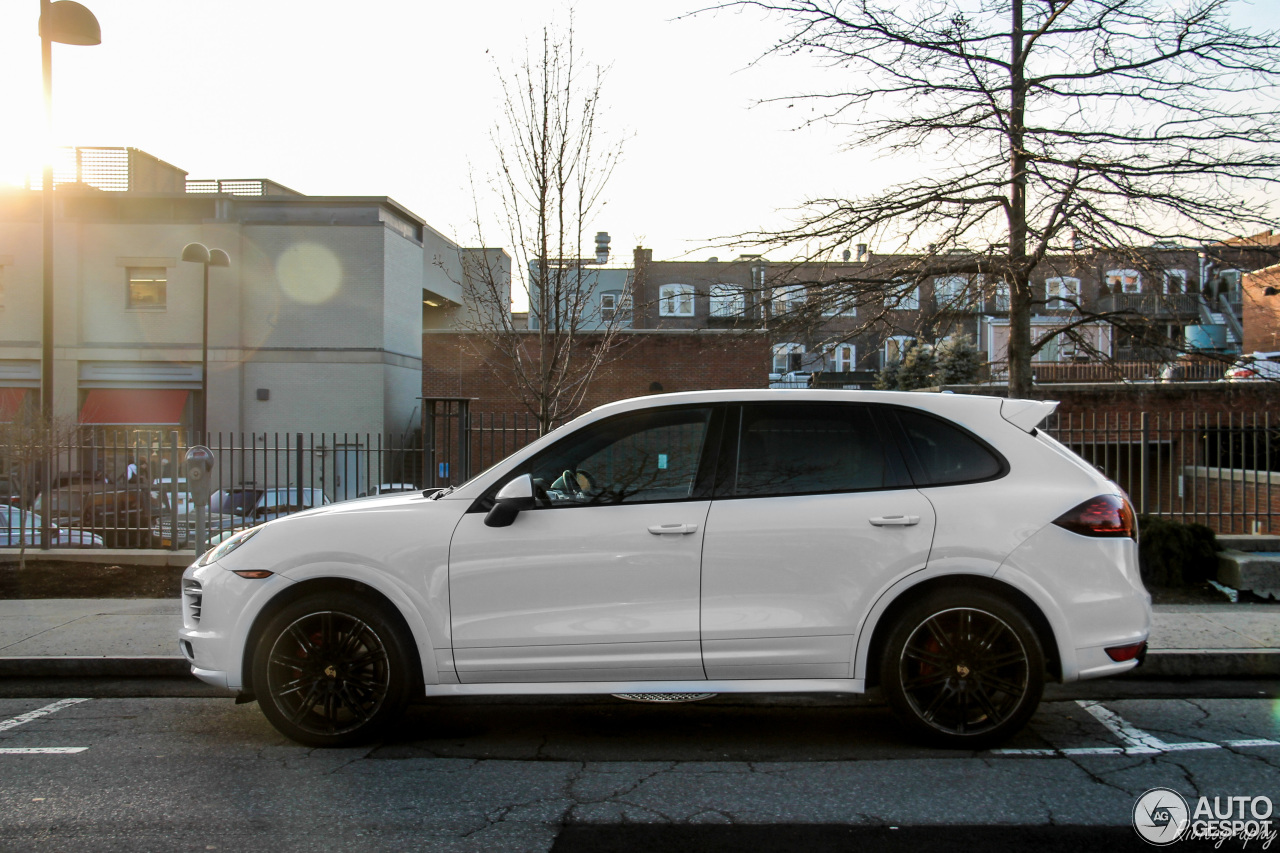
<point x="234" y="501"/>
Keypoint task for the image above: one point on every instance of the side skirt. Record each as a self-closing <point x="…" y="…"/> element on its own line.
<point x="792" y="685"/>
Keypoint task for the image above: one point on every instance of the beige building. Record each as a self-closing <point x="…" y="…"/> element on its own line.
<point x="316" y="325"/>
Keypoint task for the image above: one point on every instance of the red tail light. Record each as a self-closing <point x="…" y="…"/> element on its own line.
<point x="1105" y="515"/>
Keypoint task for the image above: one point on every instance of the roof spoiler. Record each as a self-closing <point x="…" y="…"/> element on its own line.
<point x="1026" y="415"/>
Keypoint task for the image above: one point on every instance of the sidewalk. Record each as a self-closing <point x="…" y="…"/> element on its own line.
<point x="126" y="638"/>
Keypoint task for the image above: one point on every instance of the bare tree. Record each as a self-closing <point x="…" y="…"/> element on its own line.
<point x="553" y="165"/>
<point x="1057" y="123"/>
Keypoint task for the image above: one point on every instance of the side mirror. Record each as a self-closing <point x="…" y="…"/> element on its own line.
<point x="510" y="500"/>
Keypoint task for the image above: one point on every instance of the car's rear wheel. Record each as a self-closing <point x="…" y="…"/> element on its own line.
<point x="963" y="668"/>
<point x="332" y="670"/>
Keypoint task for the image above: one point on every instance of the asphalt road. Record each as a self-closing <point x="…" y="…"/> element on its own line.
<point x="138" y="766"/>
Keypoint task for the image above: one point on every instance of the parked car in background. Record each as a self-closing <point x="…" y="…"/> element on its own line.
<point x="121" y="515"/>
<point x="388" y="489"/>
<point x="17" y="525"/>
<point x="231" y="510"/>
<point x="162" y="494"/>
<point x="1255" y="367"/>
<point x="940" y="547"/>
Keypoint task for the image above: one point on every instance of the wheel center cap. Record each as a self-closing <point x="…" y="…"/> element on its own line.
<point x="330" y="671"/>
<point x="962" y="671"/>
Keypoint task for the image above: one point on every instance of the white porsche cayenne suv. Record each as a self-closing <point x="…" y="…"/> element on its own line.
<point x="936" y="546"/>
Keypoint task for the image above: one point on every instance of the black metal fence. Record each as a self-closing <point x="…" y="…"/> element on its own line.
<point x="1220" y="470"/>
<point x="130" y="490"/>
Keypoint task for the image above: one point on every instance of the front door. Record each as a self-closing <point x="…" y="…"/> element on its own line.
<point x="600" y="582"/>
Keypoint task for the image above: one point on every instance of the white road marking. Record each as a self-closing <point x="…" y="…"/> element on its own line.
<point x="42" y="750"/>
<point x="35" y="715"/>
<point x="1135" y="740"/>
<point x="38" y="713"/>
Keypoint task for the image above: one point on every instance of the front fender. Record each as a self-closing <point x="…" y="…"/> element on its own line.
<point x="429" y="634"/>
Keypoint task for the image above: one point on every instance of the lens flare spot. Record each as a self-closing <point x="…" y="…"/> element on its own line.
<point x="309" y="272"/>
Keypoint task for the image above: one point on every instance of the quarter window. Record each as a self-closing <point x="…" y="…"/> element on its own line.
<point x="148" y="287"/>
<point x="675" y="300"/>
<point x="808" y="449"/>
<point x="647" y="456"/>
<point x="945" y="454"/>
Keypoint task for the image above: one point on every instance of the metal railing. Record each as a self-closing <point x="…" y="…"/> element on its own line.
<point x="1219" y="470"/>
<point x="129" y="490"/>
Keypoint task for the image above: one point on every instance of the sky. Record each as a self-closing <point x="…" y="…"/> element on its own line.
<point x="399" y="97"/>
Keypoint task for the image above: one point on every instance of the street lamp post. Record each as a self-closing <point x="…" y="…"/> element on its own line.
<point x="64" y="22"/>
<point x="199" y="253"/>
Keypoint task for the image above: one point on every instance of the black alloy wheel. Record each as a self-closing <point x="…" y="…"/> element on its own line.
<point x="330" y="673"/>
<point x="965" y="669"/>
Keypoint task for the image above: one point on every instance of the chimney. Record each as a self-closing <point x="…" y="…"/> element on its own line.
<point x="602" y="247"/>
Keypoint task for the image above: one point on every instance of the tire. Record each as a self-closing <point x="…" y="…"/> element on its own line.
<point x="963" y="669"/>
<point x="332" y="670"/>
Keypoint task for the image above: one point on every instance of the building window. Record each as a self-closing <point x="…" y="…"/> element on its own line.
<point x="1058" y="289"/>
<point x="615" y="306"/>
<point x="1000" y="297"/>
<point x="675" y="300"/>
<point x="1124" y="281"/>
<point x="148" y="287"/>
<point x="728" y="300"/>
<point x="840" y="305"/>
<point x="901" y="297"/>
<point x="842" y="358"/>
<point x="1175" y="281"/>
<point x="895" y="348"/>
<point x="788" y="299"/>
<point x="788" y="358"/>
<point x="949" y="290"/>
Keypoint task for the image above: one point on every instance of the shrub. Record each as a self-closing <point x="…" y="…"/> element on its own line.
<point x="1172" y="554"/>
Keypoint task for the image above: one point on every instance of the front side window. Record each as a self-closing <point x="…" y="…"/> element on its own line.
<point x="636" y="458"/>
<point x="943" y="454"/>
<point x="728" y="300"/>
<point x="808" y="449"/>
<point x="675" y="300"/>
<point x="148" y="287"/>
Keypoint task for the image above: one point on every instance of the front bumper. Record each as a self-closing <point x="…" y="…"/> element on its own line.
<point x="218" y="612"/>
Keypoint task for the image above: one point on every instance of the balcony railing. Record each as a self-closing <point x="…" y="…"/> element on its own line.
<point x="1152" y="304"/>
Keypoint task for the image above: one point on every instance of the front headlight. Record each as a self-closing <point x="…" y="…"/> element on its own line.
<point x="226" y="546"/>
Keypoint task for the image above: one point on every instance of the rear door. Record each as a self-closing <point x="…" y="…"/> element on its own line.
<point x="813" y="516"/>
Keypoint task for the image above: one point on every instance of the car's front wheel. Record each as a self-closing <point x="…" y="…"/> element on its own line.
<point x="332" y="670"/>
<point x="963" y="668"/>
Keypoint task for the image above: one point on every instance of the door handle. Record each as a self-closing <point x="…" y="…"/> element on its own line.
<point x="660" y="529"/>
<point x="894" y="520"/>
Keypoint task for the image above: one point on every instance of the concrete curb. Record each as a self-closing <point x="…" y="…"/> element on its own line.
<point x="1209" y="663"/>
<point x="94" y="667"/>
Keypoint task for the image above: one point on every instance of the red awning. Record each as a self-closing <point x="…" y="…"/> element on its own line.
<point x="127" y="406"/>
<point x="10" y="402"/>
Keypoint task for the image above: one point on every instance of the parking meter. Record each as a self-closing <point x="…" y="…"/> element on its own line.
<point x="199" y="464"/>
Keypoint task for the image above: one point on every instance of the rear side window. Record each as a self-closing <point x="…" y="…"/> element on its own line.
<point x="808" y="449"/>
<point x="942" y="453"/>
